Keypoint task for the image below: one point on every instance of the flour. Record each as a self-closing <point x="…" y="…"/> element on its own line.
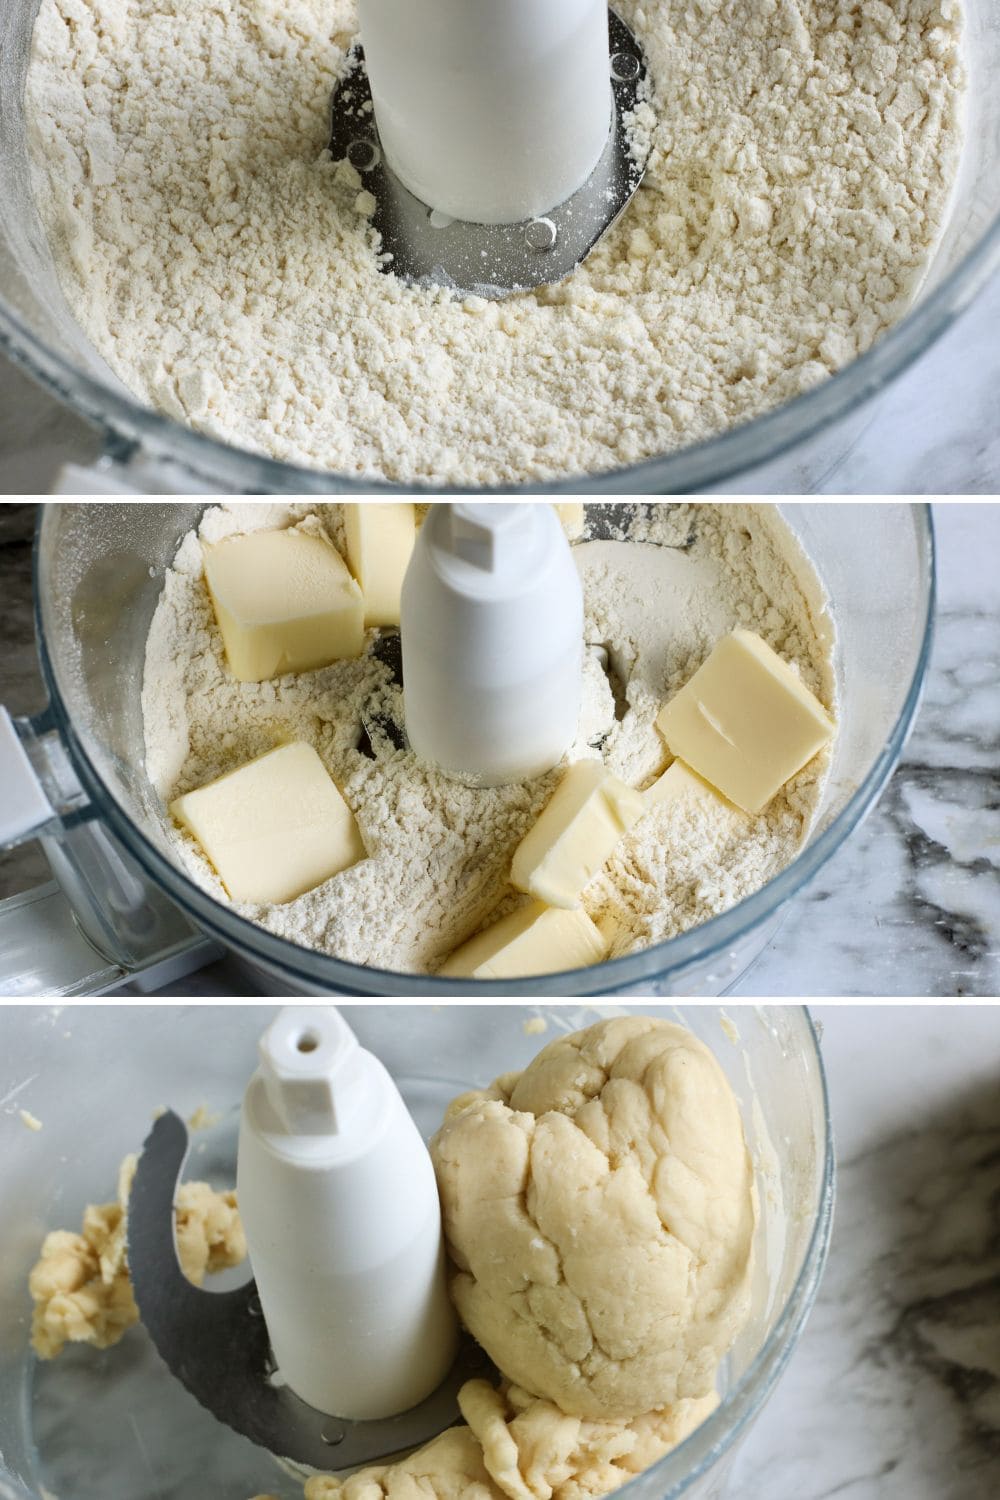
<point x="658" y="595"/>
<point x="802" y="154"/>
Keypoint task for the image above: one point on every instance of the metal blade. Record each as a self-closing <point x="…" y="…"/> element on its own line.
<point x="216" y="1343"/>
<point x="492" y="260"/>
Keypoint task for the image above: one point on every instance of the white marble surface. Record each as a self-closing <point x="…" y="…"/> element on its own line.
<point x="936" y="431"/>
<point x="894" y="1391"/>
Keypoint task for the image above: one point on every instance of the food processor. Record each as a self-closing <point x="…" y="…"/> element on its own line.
<point x="120" y="911"/>
<point x="38" y="331"/>
<point x="91" y="1424"/>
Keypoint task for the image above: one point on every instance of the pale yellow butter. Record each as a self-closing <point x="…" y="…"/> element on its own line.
<point x="537" y="939"/>
<point x="680" y="782"/>
<point x="570" y="513"/>
<point x="575" y="835"/>
<point x="745" y="721"/>
<point x="380" y="541"/>
<point x="285" y="602"/>
<point x="275" y="828"/>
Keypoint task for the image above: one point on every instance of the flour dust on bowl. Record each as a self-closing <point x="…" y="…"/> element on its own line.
<point x="84" y="1422"/>
<point x="189" y="264"/>
<point x="290" y="819"/>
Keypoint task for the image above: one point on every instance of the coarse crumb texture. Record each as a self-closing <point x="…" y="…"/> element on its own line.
<point x="659" y="593"/>
<point x="801" y="161"/>
<point x="80" y="1284"/>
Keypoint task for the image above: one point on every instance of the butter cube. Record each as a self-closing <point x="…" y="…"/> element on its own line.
<point x="537" y="939"/>
<point x="570" y="513"/>
<point x="285" y="602"/>
<point x="575" y="835"/>
<point x="380" y="541"/>
<point x="745" y="722"/>
<point x="275" y="828"/>
<point x="678" y="783"/>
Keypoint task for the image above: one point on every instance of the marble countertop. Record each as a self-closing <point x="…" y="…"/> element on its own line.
<point x="934" y="432"/>
<point x="894" y="1391"/>
<point x="909" y="906"/>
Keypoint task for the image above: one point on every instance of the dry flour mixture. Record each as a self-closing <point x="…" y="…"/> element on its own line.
<point x="440" y="852"/>
<point x="221" y="262"/>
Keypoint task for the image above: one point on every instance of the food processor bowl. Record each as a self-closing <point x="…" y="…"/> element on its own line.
<point x="116" y="1425"/>
<point x="98" y="575"/>
<point x="38" y="330"/>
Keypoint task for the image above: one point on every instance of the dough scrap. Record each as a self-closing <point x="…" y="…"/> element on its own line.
<point x="209" y="1231"/>
<point x="516" y="1447"/>
<point x="534" y="1451"/>
<point x="449" y="1467"/>
<point x="80" y="1285"/>
<point x="600" y="1210"/>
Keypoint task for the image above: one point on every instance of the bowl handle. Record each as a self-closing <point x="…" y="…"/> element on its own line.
<point x="100" y="924"/>
<point x="141" y="474"/>
<point x="25" y="808"/>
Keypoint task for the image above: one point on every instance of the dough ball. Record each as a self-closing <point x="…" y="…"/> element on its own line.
<point x="600" y="1212"/>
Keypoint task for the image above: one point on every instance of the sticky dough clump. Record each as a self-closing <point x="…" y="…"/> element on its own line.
<point x="600" y="1210"/>
<point x="80" y="1284"/>
<point x="516" y="1447"/>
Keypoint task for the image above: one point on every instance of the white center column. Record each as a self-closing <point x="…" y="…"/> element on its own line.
<point x="492" y="639"/>
<point x="343" y="1223"/>
<point x="491" y="111"/>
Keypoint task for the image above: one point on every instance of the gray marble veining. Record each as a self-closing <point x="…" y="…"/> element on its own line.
<point x="910" y="905"/>
<point x="894" y="1392"/>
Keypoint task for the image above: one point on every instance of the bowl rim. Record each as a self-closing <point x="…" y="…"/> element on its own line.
<point x="322" y="973"/>
<point x="740" y="1407"/>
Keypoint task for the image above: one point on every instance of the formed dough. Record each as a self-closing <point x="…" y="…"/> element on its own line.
<point x="80" y="1284"/>
<point x="600" y="1209"/>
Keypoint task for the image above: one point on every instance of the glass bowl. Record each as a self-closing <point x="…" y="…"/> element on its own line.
<point x="37" y="329"/>
<point x="98" y="575"/>
<point x="115" y="1425"/>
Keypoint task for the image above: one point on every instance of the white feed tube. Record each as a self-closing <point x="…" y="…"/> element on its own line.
<point x="491" y="111"/>
<point x="492" y="639"/>
<point x="343" y="1223"/>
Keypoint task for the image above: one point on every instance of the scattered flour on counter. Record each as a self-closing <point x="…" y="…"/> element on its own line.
<point x="440" y="852"/>
<point x="802" y="155"/>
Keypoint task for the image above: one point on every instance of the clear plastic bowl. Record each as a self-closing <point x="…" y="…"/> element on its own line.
<point x="115" y="1425"/>
<point x="37" y="329"/>
<point x="99" y="571"/>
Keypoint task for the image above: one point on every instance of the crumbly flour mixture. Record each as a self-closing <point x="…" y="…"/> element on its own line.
<point x="440" y="852"/>
<point x="802" y="156"/>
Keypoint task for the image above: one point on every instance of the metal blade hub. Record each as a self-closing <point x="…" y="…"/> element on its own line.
<point x="216" y="1343"/>
<point x="426" y="247"/>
